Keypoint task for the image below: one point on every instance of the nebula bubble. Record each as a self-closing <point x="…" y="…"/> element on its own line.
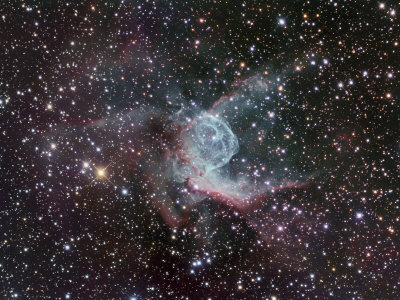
<point x="209" y="143"/>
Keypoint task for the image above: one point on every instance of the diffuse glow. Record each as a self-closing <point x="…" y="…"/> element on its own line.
<point x="210" y="143"/>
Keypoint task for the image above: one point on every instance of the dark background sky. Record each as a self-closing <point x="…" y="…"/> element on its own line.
<point x="96" y="82"/>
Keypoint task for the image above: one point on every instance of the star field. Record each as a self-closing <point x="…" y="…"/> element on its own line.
<point x="207" y="149"/>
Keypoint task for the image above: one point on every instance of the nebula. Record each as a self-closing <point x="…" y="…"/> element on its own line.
<point x="228" y="153"/>
<point x="214" y="150"/>
<point x="209" y="143"/>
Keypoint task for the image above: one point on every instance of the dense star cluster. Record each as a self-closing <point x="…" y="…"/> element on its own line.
<point x="204" y="149"/>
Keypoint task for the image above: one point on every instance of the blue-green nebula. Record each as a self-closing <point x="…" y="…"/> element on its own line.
<point x="210" y="143"/>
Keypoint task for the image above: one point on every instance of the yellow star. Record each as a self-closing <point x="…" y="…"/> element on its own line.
<point x="101" y="173"/>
